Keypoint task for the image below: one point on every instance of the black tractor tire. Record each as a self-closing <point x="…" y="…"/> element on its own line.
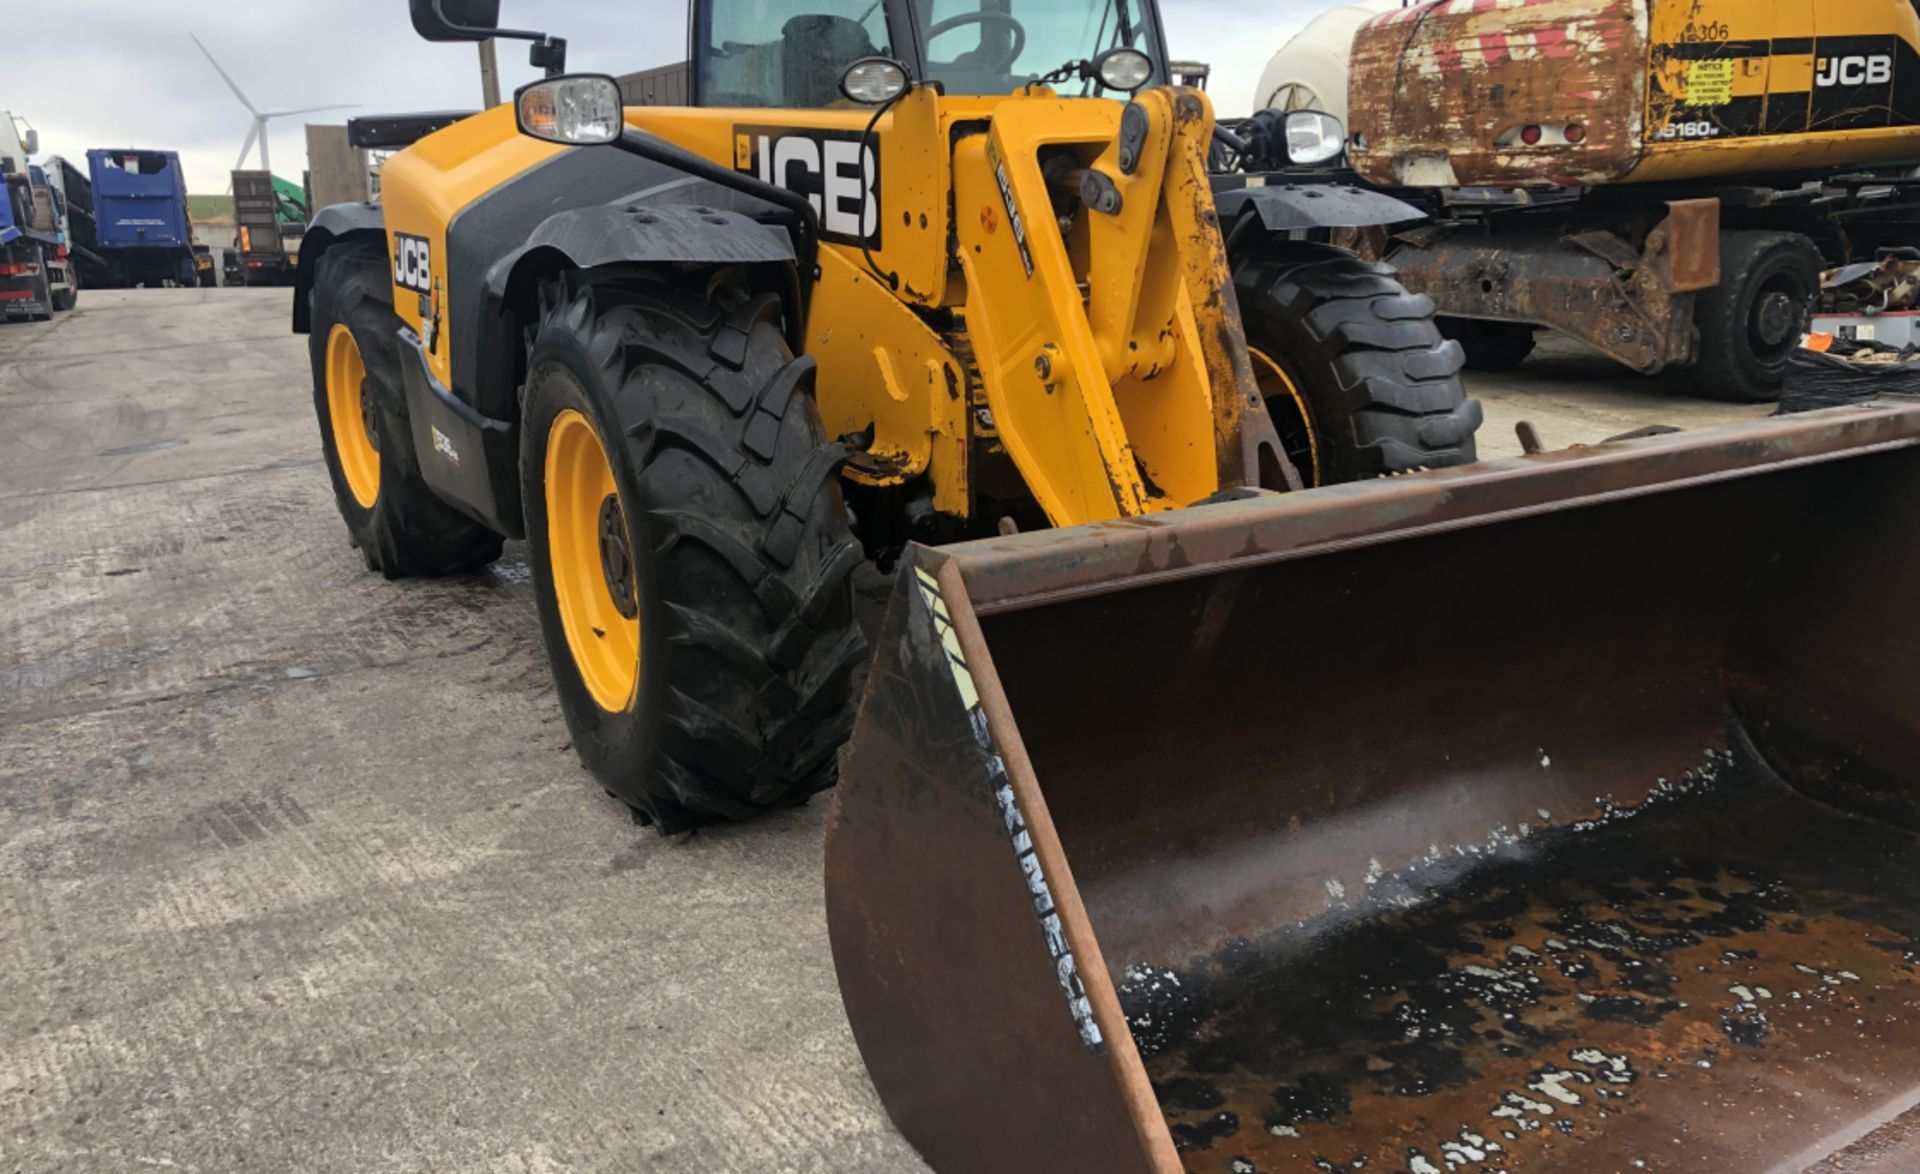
<point x="729" y="494"/>
<point x="1369" y="387"/>
<point x="64" y="302"/>
<point x="408" y="531"/>
<point x="1752" y="322"/>
<point x="1490" y="346"/>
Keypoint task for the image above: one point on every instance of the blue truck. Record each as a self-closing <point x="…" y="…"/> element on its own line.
<point x="36" y="276"/>
<point x="128" y="219"/>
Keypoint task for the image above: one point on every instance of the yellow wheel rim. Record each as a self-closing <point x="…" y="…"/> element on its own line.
<point x="595" y="577"/>
<point x="1275" y="383"/>
<point x="350" y="415"/>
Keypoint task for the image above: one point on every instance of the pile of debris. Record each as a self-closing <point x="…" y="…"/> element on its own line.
<point x="1865" y="336"/>
<point x="1890" y="283"/>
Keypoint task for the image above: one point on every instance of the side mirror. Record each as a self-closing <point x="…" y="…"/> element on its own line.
<point x="455" y="20"/>
<point x="31" y="142"/>
<point x="1314" y="137"/>
<point x="574" y="110"/>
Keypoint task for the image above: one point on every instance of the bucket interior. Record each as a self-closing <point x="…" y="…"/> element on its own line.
<point x="1591" y="828"/>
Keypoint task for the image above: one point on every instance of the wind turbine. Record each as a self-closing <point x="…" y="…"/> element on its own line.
<point x="260" y="117"/>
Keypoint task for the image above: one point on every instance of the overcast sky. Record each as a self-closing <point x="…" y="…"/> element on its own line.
<point x="117" y="73"/>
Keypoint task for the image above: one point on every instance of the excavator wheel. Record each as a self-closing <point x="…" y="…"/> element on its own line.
<point x="1752" y="322"/>
<point x="1354" y="372"/>
<point x="394" y="519"/>
<point x="691" y="553"/>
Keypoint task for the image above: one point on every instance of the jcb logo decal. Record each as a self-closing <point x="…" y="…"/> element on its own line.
<point x="1874" y="70"/>
<point x="412" y="263"/>
<point x="831" y="168"/>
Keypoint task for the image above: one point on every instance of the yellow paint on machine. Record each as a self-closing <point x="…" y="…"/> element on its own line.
<point x="1773" y="76"/>
<point x="1662" y="90"/>
<point x="1095" y="367"/>
<point x="427" y="185"/>
<point x="1107" y="406"/>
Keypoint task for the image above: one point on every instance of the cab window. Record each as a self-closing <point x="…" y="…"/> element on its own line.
<point x="786" y="53"/>
<point x="994" y="47"/>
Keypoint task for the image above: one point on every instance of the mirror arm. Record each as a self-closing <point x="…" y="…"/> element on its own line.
<point x="548" y="52"/>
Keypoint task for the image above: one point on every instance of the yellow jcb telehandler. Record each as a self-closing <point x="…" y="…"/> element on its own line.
<point x="1193" y="817"/>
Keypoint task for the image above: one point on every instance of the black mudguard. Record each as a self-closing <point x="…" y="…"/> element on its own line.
<point x="332" y="224"/>
<point x="583" y="209"/>
<point x="1283" y="207"/>
<point x="468" y="435"/>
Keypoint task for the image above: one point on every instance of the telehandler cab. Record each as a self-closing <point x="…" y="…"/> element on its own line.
<point x="1546" y="813"/>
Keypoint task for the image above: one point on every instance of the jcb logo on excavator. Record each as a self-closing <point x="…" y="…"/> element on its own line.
<point x="831" y="168"/>
<point x="412" y="263"/>
<point x="1875" y="70"/>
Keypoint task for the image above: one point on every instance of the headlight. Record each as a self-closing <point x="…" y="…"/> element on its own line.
<point x="1314" y="137"/>
<point x="578" y="110"/>
<point x="1125" y="70"/>
<point x="874" y="81"/>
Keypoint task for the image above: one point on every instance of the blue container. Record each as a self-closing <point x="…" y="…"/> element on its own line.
<point x="139" y="199"/>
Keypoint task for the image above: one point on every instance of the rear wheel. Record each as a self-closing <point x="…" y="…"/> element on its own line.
<point x="71" y="298"/>
<point x="1752" y="322"/>
<point x="1353" y="370"/>
<point x="691" y="554"/>
<point x="395" y="520"/>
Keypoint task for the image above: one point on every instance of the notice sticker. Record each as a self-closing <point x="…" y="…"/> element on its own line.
<point x="1710" y="83"/>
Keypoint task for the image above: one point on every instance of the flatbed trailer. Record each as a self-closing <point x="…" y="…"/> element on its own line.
<point x="268" y="244"/>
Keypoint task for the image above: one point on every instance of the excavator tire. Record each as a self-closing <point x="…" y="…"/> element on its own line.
<point x="692" y="557"/>
<point x="1353" y="369"/>
<point x="1752" y="322"/>
<point x="394" y="519"/>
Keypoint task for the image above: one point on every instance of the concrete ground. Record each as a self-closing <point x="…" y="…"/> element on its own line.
<point x="1573" y="395"/>
<point x="297" y="869"/>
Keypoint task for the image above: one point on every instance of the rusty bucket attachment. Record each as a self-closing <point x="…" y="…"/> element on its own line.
<point x="1555" y="813"/>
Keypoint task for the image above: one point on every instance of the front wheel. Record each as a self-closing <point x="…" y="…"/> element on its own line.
<point x="691" y="555"/>
<point x="1353" y="370"/>
<point x="1753" y="321"/>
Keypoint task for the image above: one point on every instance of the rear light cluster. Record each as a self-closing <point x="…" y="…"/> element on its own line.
<point x="1543" y="134"/>
<point x="20" y="269"/>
